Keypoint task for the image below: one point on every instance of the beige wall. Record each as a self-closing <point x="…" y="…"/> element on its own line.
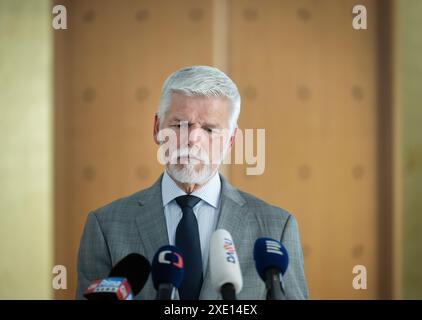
<point x="328" y="135"/>
<point x="313" y="82"/>
<point x="25" y="140"/>
<point x="110" y="66"/>
<point x="305" y="75"/>
<point x="409" y="101"/>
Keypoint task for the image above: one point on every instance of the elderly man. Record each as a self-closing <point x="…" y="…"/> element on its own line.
<point x="199" y="106"/>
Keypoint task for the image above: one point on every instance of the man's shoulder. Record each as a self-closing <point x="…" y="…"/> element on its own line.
<point x="126" y="205"/>
<point x="262" y="208"/>
<point x="265" y="218"/>
<point x="120" y="203"/>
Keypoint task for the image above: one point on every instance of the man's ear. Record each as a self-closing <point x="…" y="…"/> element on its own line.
<point x="156" y="129"/>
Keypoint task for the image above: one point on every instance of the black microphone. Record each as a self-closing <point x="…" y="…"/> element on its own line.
<point x="271" y="261"/>
<point x="125" y="281"/>
<point x="167" y="271"/>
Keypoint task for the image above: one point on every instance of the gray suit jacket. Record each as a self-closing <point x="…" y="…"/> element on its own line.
<point x="137" y="224"/>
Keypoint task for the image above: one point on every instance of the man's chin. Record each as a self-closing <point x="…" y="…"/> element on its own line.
<point x="188" y="173"/>
<point x="197" y="167"/>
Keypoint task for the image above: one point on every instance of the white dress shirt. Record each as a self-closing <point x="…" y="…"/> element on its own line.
<point x="206" y="211"/>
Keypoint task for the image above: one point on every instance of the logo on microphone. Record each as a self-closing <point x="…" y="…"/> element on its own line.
<point x="230" y="251"/>
<point x="273" y="247"/>
<point x="174" y="258"/>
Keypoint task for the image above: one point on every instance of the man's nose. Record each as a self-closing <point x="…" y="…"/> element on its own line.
<point x="195" y="136"/>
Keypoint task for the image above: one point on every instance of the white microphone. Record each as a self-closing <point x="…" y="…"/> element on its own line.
<point x="226" y="276"/>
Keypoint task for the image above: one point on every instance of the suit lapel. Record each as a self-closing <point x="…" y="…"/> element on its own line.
<point x="231" y="218"/>
<point x="151" y="222"/>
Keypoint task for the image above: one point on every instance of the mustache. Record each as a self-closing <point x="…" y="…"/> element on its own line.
<point x="193" y="153"/>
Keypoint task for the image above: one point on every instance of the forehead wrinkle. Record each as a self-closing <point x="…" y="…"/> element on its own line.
<point x="201" y="110"/>
<point x="195" y="116"/>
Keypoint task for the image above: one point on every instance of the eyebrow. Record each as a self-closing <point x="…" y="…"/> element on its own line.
<point x="178" y="120"/>
<point x="210" y="125"/>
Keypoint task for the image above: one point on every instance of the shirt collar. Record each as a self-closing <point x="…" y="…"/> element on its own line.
<point x="210" y="192"/>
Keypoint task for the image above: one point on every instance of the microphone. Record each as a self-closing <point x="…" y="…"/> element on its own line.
<point x="271" y="261"/>
<point x="226" y="276"/>
<point x="125" y="281"/>
<point x="167" y="271"/>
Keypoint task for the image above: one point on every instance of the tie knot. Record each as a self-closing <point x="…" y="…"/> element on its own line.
<point x="187" y="201"/>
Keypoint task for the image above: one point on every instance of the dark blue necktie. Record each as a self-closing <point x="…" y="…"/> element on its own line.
<point x="187" y="239"/>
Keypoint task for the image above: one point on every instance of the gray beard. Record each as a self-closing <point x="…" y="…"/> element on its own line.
<point x="188" y="173"/>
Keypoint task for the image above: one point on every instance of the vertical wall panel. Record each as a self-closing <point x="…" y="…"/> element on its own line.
<point x="26" y="241"/>
<point x="409" y="73"/>
<point x="310" y="80"/>
<point x="113" y="60"/>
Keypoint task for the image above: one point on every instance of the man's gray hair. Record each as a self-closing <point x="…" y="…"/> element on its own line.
<point x="202" y="81"/>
